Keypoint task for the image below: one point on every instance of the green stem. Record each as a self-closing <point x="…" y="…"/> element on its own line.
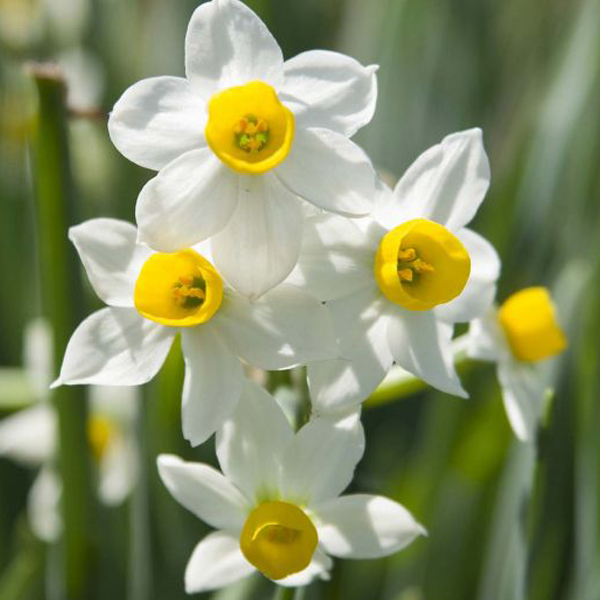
<point x="61" y="301"/>
<point x="140" y="567"/>
<point x="284" y="593"/>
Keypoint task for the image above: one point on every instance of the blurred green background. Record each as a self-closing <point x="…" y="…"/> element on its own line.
<point x="505" y="521"/>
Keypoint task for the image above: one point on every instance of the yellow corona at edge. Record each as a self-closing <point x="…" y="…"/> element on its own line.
<point x="279" y="539"/>
<point x="529" y="321"/>
<point x="248" y="128"/>
<point x="420" y="264"/>
<point x="179" y="289"/>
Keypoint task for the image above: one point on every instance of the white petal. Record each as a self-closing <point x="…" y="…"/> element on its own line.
<point x="259" y="247"/>
<point x="251" y="442"/>
<point x="364" y="526"/>
<point x="29" y="436"/>
<point x="485" y="339"/>
<point x="319" y="463"/>
<point x="336" y="258"/>
<point x="331" y="172"/>
<point x="480" y="291"/>
<point x="422" y="345"/>
<point x="523" y="388"/>
<point x="43" y="506"/>
<point x="156" y="120"/>
<point x="204" y="492"/>
<point x="111" y="257"/>
<point x="226" y="45"/>
<point x="447" y="183"/>
<point x="116" y="402"/>
<point x="319" y="566"/>
<point x="192" y="198"/>
<point x="119" y="470"/>
<point x="212" y="386"/>
<point x="216" y="562"/>
<point x="284" y="328"/>
<point x="115" y="346"/>
<point x="332" y="90"/>
<point x="360" y="325"/>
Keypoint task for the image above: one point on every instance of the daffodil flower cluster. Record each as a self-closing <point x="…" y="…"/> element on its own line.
<point x="266" y="239"/>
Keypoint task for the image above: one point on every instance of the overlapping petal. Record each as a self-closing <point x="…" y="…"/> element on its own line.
<point x="213" y="383"/>
<point x="191" y="199"/>
<point x="115" y="345"/>
<point x="331" y="172"/>
<point x="523" y="387"/>
<point x="156" y="120"/>
<point x="364" y="526"/>
<point x="422" y="345"/>
<point x="479" y="293"/>
<point x="226" y="45"/>
<point x="320" y="461"/>
<point x="319" y="566"/>
<point x="446" y="184"/>
<point x="217" y="561"/>
<point x="111" y="257"/>
<point x="251" y="443"/>
<point x="330" y="90"/>
<point x="259" y="246"/>
<point x="284" y="328"/>
<point x="336" y="258"/>
<point x="204" y="492"/>
<point x="360" y="323"/>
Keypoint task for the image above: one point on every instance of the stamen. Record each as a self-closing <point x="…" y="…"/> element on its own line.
<point x="405" y="274"/>
<point x="410" y="266"/>
<point x="189" y="292"/>
<point x="251" y="134"/>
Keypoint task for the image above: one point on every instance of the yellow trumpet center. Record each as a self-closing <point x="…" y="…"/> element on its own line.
<point x="181" y="289"/>
<point x="248" y="128"/>
<point x="100" y="431"/>
<point x="528" y="319"/>
<point x="420" y="264"/>
<point x="278" y="539"/>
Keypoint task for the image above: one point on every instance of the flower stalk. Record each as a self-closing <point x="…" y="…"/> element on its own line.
<point x="61" y="299"/>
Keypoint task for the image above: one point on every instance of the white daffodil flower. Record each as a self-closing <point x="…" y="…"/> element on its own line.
<point x="153" y="296"/>
<point x="30" y="438"/>
<point x="519" y="336"/>
<point x="240" y="139"/>
<point x="277" y="505"/>
<point x="396" y="285"/>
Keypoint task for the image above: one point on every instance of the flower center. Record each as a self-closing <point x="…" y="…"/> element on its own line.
<point x="100" y="432"/>
<point x="420" y="264"/>
<point x="248" y="128"/>
<point x="528" y="319"/>
<point x="278" y="539"/>
<point x="181" y="289"/>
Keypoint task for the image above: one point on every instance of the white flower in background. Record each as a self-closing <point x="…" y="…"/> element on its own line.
<point x="153" y="296"/>
<point x="30" y="437"/>
<point x="276" y="506"/>
<point x="395" y="286"/>
<point x="240" y="139"/>
<point x="26" y="22"/>
<point x="519" y="337"/>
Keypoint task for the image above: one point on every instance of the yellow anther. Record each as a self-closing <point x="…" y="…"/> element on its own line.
<point x="405" y="274"/>
<point x="407" y="254"/>
<point x="186" y="279"/>
<point x="420" y="266"/>
<point x="241" y="127"/>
